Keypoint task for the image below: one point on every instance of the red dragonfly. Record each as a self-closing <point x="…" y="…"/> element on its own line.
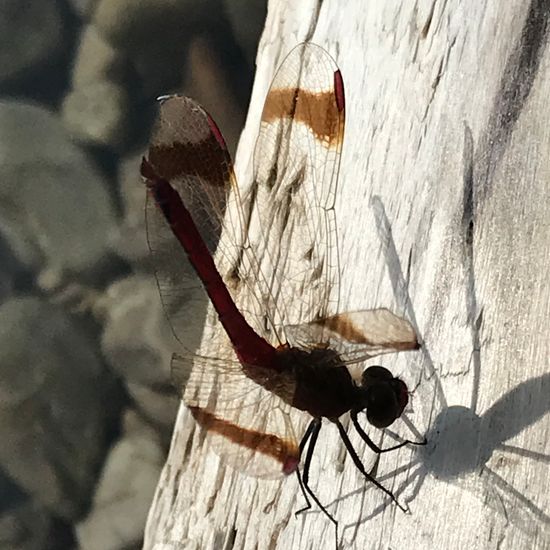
<point x="273" y="364"/>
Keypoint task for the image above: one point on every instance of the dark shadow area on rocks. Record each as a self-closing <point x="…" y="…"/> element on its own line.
<point x="86" y="404"/>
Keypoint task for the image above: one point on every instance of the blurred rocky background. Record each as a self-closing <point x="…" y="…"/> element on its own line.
<point x="86" y="406"/>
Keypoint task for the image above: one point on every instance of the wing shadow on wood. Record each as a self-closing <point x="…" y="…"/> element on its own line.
<point x="427" y="387"/>
<point x="460" y="441"/>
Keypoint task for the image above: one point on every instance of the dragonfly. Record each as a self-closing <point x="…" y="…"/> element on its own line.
<point x="291" y="353"/>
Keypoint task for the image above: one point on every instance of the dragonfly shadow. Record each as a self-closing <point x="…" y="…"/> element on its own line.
<point x="460" y="441"/>
<point x="465" y="448"/>
<point x="461" y="450"/>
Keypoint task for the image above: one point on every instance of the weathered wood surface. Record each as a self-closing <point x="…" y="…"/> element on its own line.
<point x="443" y="213"/>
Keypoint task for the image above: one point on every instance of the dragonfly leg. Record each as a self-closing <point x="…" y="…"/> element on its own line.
<point x="373" y="445"/>
<point x="311" y="434"/>
<point x="303" y="442"/>
<point x="361" y="468"/>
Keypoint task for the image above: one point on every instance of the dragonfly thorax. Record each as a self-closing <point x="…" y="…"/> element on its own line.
<point x="323" y="386"/>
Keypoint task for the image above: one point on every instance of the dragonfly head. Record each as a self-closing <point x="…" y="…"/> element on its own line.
<point x="384" y="396"/>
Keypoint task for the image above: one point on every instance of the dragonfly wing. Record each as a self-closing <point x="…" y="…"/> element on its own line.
<point x="296" y="163"/>
<point x="248" y="427"/>
<point x="357" y="335"/>
<point x="188" y="150"/>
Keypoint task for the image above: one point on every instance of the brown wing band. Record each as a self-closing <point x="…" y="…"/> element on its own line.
<point x="319" y="110"/>
<point x="284" y="451"/>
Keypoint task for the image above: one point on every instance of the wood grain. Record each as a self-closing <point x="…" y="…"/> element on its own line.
<point x="443" y="213"/>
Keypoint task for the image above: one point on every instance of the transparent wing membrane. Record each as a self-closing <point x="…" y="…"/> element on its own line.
<point x="245" y="424"/>
<point x="277" y="257"/>
<point x="296" y="164"/>
<point x="357" y="335"/>
<point x="187" y="151"/>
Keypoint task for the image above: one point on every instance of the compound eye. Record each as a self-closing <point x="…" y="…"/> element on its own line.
<point x="382" y="406"/>
<point x="375" y="375"/>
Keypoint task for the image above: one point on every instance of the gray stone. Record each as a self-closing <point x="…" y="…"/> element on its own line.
<point x="55" y="211"/>
<point x="247" y="18"/>
<point x="55" y="401"/>
<point x="129" y="239"/>
<point x="96" y="60"/>
<point x="154" y="34"/>
<point x="97" y="113"/>
<point x="31" y="35"/>
<point x="83" y="8"/>
<point x="158" y="407"/>
<point x="125" y="490"/>
<point x="126" y="22"/>
<point x="137" y="340"/>
<point x="25" y="526"/>
<point x="9" y="270"/>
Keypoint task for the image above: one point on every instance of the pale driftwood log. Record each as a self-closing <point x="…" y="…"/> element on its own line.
<point x="443" y="213"/>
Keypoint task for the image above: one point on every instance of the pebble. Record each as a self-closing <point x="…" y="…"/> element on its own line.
<point x="31" y="36"/>
<point x="56" y="403"/>
<point x="125" y="490"/>
<point x="55" y="210"/>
